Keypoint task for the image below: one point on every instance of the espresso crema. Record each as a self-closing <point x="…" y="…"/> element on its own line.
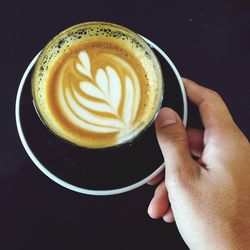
<point x="97" y="85"/>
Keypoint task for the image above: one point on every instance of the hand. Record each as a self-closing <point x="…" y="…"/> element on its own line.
<point x="209" y="198"/>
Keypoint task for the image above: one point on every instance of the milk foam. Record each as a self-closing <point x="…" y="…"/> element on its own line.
<point x="108" y="89"/>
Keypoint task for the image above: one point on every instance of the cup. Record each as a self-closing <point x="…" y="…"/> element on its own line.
<point x="97" y="85"/>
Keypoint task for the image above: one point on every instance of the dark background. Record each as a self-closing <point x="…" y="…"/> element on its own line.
<point x="209" y="41"/>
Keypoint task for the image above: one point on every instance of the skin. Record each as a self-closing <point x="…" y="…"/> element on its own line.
<point x="208" y="196"/>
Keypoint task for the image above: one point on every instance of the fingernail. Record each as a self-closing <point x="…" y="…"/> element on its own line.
<point x="150" y="207"/>
<point x="166" y="117"/>
<point x="164" y="218"/>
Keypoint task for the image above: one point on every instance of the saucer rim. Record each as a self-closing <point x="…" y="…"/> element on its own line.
<point x="73" y="187"/>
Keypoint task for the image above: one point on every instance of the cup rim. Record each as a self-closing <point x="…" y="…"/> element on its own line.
<point x="73" y="187"/>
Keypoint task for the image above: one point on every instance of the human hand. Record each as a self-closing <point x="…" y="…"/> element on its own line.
<point x="209" y="198"/>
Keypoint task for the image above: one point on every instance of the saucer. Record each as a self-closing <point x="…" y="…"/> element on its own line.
<point x="97" y="172"/>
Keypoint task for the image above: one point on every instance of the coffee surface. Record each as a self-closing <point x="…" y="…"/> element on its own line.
<point x="99" y="93"/>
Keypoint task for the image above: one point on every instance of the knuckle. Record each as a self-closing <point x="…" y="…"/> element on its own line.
<point x="213" y="94"/>
<point x="181" y="177"/>
<point x="175" y="137"/>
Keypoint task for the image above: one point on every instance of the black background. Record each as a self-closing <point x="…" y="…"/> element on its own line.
<point x="209" y="41"/>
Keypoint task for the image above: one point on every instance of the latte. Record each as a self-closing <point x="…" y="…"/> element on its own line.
<point x="97" y="85"/>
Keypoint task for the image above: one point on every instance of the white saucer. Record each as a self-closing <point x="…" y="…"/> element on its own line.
<point x="85" y="189"/>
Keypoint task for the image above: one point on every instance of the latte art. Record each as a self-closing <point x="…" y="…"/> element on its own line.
<point x="105" y="102"/>
<point x="97" y="85"/>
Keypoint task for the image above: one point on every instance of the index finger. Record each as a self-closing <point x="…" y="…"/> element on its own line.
<point x="213" y="111"/>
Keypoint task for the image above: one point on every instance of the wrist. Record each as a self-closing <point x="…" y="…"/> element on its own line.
<point x="232" y="237"/>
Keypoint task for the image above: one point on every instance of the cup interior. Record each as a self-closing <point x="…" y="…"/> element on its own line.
<point x="82" y="33"/>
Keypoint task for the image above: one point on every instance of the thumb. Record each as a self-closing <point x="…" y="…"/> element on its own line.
<point x="172" y="138"/>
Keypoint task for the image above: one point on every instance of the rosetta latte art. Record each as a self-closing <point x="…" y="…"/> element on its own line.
<point x="104" y="102"/>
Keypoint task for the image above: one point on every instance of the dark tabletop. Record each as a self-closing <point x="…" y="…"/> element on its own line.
<point x="209" y="42"/>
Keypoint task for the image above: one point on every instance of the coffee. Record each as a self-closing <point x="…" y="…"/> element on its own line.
<point x="97" y="85"/>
